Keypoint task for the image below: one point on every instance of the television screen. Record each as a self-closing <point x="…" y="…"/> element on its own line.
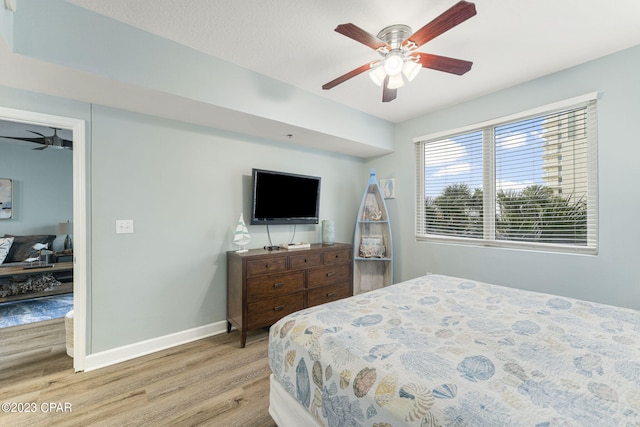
<point x="284" y="198"/>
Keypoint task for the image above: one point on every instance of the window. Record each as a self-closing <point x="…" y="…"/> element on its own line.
<point x="524" y="181"/>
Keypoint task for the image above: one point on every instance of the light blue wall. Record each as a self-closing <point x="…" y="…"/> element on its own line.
<point x="42" y="188"/>
<point x="184" y="187"/>
<point x="6" y="26"/>
<point x="610" y="277"/>
<point x="100" y="45"/>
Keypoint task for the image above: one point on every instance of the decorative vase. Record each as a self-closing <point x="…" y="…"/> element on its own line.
<point x="328" y="232"/>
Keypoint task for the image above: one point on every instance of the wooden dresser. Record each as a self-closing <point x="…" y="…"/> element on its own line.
<point x="263" y="286"/>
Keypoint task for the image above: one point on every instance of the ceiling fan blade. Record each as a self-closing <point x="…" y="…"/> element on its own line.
<point x="388" y="95"/>
<point x="343" y="78"/>
<point x="37" y="133"/>
<point x="444" y="63"/>
<point x="40" y="148"/>
<point x="38" y="140"/>
<point x="455" y="15"/>
<point x="358" y="34"/>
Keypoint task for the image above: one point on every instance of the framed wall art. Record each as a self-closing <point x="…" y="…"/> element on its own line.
<point x="372" y="247"/>
<point x="6" y="198"/>
<point x="388" y="188"/>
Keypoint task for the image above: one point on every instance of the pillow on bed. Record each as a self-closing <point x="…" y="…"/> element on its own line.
<point x="5" y="246"/>
<point x="22" y="247"/>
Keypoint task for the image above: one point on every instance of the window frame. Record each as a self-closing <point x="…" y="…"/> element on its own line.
<point x="489" y="180"/>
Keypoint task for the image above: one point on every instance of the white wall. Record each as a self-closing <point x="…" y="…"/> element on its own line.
<point x="612" y="276"/>
<point x="42" y="188"/>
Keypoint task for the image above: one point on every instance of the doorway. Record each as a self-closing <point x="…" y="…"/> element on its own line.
<point x="80" y="260"/>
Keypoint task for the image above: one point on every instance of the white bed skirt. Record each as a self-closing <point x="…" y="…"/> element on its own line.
<point x="285" y="410"/>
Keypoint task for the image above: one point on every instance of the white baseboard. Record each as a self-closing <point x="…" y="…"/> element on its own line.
<point x="131" y="351"/>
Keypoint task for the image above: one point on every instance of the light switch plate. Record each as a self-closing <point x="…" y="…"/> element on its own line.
<point x="124" y="226"/>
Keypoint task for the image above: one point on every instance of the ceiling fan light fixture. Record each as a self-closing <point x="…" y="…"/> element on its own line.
<point x="411" y="69"/>
<point x="393" y="64"/>
<point x="397" y="44"/>
<point x="377" y="75"/>
<point x="395" y="82"/>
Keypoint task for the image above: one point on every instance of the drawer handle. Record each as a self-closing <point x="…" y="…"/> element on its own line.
<point x="278" y="285"/>
<point x="331" y="273"/>
<point x="330" y="294"/>
<point x="266" y="266"/>
<point x="337" y="256"/>
<point x="278" y="308"/>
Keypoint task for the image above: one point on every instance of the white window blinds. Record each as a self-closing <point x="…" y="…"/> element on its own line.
<point x="528" y="181"/>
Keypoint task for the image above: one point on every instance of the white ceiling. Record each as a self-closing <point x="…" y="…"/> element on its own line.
<point x="509" y="41"/>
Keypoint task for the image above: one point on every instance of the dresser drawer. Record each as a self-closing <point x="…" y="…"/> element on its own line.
<point x="276" y="285"/>
<point x="269" y="311"/>
<point x="330" y="293"/>
<point x="266" y="266"/>
<point x="336" y="257"/>
<point x="328" y="275"/>
<point x="304" y="261"/>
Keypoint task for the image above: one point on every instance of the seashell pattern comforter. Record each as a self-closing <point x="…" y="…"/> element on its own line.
<point x="443" y="351"/>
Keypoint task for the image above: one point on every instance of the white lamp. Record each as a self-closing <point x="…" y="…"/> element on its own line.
<point x="411" y="69"/>
<point x="66" y="228"/>
<point x="393" y="63"/>
<point x="394" y="66"/>
<point x="378" y="74"/>
<point x="395" y="81"/>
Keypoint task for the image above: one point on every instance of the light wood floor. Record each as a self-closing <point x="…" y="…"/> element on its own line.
<point x="210" y="382"/>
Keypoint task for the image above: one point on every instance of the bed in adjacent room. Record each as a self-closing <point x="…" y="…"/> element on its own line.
<point x="438" y="350"/>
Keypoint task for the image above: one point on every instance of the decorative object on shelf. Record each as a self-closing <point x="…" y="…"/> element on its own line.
<point x="372" y="247"/>
<point x="328" y="232"/>
<point x="241" y="235"/>
<point x="372" y="243"/>
<point x="388" y="187"/>
<point x="66" y="228"/>
<point x="6" y="198"/>
<point x="40" y="256"/>
<point x="372" y="213"/>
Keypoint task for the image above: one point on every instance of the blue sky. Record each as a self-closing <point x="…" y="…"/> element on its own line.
<point x="459" y="159"/>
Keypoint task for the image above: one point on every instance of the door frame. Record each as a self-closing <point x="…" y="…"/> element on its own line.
<point x="80" y="258"/>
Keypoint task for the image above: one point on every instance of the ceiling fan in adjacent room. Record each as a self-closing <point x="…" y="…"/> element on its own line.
<point x="53" y="141"/>
<point x="397" y="45"/>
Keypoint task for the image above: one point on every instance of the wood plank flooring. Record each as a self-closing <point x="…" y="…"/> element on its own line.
<point x="210" y="382"/>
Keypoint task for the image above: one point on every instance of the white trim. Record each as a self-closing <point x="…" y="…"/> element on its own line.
<point x="80" y="249"/>
<point x="79" y="218"/>
<point x="512" y="117"/>
<point x="142" y="348"/>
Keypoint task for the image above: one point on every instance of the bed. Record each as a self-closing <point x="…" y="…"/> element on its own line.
<point x="444" y="351"/>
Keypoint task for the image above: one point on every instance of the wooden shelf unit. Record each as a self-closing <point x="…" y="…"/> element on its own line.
<point x="372" y="243"/>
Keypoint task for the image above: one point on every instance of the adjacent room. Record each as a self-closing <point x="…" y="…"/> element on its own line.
<point x="319" y="213"/>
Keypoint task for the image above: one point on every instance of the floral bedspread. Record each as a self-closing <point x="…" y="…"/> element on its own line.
<point x="443" y="351"/>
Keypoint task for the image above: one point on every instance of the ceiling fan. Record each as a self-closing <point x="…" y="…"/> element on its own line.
<point x="53" y="141"/>
<point x="397" y="44"/>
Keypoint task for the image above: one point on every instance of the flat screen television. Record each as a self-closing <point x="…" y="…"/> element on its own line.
<point x="284" y="198"/>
